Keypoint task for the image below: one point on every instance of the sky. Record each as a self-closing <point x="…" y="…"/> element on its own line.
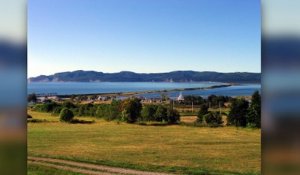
<point x="13" y="20"/>
<point x="143" y="35"/>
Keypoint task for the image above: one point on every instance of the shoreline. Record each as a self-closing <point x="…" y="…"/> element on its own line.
<point x="126" y="94"/>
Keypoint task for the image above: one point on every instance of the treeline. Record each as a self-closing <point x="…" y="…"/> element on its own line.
<point x="130" y="110"/>
<point x="241" y="113"/>
<point x="211" y="101"/>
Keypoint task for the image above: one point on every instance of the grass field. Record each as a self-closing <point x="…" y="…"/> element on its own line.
<point x="41" y="170"/>
<point x="177" y="149"/>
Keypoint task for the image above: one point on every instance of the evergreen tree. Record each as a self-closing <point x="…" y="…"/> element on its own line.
<point x="254" y="112"/>
<point x="238" y="112"/>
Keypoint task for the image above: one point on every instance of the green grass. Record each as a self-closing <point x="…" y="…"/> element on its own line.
<point x="42" y="170"/>
<point x="176" y="148"/>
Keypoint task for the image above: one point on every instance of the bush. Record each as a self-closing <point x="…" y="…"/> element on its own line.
<point x="173" y="116"/>
<point x="131" y="110"/>
<point x="161" y="114"/>
<point x="68" y="104"/>
<point x="203" y="111"/>
<point x="213" y="119"/>
<point x="114" y="110"/>
<point x="46" y="107"/>
<point x="87" y="110"/>
<point x="148" y="113"/>
<point x="57" y="110"/>
<point x="66" y="115"/>
<point x="103" y="111"/>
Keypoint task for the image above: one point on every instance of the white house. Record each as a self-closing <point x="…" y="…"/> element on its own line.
<point x="180" y="97"/>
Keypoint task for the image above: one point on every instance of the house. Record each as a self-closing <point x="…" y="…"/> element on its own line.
<point x="180" y="97"/>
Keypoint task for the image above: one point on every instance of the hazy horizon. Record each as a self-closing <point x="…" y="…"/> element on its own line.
<point x="148" y="36"/>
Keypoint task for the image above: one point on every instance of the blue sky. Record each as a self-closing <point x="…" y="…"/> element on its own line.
<point x="143" y="35"/>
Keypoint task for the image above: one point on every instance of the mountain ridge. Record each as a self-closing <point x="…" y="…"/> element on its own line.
<point x="128" y="76"/>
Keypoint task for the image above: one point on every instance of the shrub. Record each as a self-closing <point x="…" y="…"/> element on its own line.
<point x="173" y="116"/>
<point x="161" y="114"/>
<point x="148" y="113"/>
<point x="131" y="109"/>
<point x="68" y="104"/>
<point x="66" y="115"/>
<point x="203" y="111"/>
<point x="57" y="110"/>
<point x="87" y="110"/>
<point x="213" y="119"/>
<point x="114" y="110"/>
<point x="103" y="111"/>
<point x="46" y="107"/>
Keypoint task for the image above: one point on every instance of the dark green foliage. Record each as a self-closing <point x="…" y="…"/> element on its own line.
<point x="217" y="101"/>
<point x="32" y="98"/>
<point x="66" y="115"/>
<point x="115" y="110"/>
<point x="57" y="110"/>
<point x="131" y="109"/>
<point x="46" y="107"/>
<point x="173" y="116"/>
<point x="238" y="112"/>
<point x="103" y="111"/>
<point x="254" y="112"/>
<point x="87" y="110"/>
<point x="161" y="114"/>
<point x="203" y="111"/>
<point x="148" y="113"/>
<point x="196" y="100"/>
<point x="213" y="119"/>
<point x="68" y="104"/>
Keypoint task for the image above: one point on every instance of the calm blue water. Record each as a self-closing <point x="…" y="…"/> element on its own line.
<point x="237" y="90"/>
<point x="68" y="88"/>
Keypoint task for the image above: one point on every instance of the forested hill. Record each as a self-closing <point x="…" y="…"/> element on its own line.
<point x="126" y="76"/>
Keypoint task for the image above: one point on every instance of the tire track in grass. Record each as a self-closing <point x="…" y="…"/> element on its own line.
<point x="71" y="169"/>
<point x="87" y="168"/>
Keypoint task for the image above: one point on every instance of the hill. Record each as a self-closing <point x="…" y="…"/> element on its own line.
<point x="126" y="76"/>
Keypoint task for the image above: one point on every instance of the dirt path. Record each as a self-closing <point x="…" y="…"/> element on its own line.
<point x="86" y="168"/>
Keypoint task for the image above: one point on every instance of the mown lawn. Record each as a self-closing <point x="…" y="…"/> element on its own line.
<point x="177" y="149"/>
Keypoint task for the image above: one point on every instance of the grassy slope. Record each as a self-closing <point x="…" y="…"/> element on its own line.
<point x="179" y="149"/>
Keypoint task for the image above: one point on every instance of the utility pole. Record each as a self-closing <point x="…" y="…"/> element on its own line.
<point x="220" y="108"/>
<point x="192" y="106"/>
<point x="172" y="104"/>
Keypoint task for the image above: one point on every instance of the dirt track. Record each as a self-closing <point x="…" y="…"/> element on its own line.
<point x="86" y="168"/>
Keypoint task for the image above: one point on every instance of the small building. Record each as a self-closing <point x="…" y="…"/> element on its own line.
<point x="180" y="97"/>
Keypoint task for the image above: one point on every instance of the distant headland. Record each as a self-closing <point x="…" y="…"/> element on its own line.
<point x="127" y="76"/>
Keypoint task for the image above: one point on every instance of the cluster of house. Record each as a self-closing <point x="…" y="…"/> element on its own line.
<point x="91" y="99"/>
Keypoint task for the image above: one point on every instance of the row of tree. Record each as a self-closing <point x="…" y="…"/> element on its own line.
<point x="241" y="113"/>
<point x="129" y="110"/>
<point x="212" y="101"/>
